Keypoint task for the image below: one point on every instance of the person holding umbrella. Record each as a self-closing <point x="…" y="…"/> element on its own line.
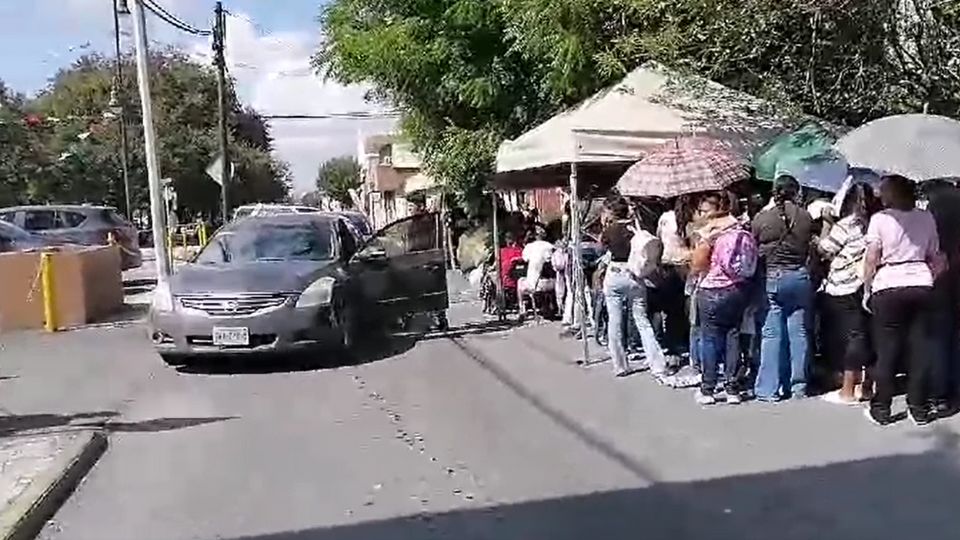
<point x="903" y="260"/>
<point x="724" y="260"/>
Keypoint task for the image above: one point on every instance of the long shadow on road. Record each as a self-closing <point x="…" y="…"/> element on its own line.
<point x="901" y="496"/>
<point x="13" y="424"/>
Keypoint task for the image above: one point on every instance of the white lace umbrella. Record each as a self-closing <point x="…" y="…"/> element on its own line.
<point x="917" y="146"/>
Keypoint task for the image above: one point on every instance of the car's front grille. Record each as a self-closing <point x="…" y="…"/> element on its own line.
<point x="233" y="306"/>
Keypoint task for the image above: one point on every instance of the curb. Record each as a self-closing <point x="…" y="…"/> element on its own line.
<point x="26" y="516"/>
<point x="139" y="283"/>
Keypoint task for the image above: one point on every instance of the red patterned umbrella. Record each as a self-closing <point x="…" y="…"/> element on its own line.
<point x="680" y="167"/>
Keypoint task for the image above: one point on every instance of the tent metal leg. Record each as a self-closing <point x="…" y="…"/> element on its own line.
<point x="501" y="312"/>
<point x="578" y="273"/>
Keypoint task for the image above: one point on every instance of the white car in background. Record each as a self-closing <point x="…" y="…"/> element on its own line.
<point x="262" y="210"/>
<point x="358" y="220"/>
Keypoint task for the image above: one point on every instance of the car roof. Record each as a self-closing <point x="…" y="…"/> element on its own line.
<point x="72" y="207"/>
<point x="291" y="219"/>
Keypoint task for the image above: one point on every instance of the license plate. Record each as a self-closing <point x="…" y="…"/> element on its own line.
<point x="231" y="337"/>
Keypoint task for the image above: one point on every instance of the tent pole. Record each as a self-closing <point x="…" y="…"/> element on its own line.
<point x="496" y="257"/>
<point x="576" y="234"/>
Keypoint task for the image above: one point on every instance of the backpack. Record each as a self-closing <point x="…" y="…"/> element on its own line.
<point x="736" y="253"/>
<point x="637" y="262"/>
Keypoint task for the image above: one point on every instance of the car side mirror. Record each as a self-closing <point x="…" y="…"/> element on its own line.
<point x="371" y="254"/>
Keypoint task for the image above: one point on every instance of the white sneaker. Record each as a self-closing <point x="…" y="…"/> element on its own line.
<point x="733" y="399"/>
<point x="704" y="399"/>
<point x="835" y="398"/>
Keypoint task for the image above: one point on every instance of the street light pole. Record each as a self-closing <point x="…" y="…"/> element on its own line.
<point x="121" y="102"/>
<point x="157" y="217"/>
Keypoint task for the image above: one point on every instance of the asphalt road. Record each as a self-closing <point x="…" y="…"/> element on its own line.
<point x="487" y="435"/>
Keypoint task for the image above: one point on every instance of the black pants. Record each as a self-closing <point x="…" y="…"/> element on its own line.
<point x="846" y="332"/>
<point x="668" y="298"/>
<point x="947" y="347"/>
<point x="903" y="331"/>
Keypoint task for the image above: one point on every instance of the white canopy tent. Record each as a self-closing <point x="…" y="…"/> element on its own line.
<point x="594" y="142"/>
<point x="619" y="125"/>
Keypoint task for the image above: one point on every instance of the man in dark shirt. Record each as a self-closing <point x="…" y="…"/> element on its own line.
<point x="784" y="233"/>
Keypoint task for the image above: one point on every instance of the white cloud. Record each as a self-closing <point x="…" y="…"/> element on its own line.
<point x="272" y="71"/>
<point x="273" y="74"/>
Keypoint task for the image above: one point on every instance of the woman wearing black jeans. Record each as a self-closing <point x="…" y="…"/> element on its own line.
<point x="903" y="259"/>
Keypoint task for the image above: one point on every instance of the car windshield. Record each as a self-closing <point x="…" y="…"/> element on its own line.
<point x="12" y="232"/>
<point x="266" y="241"/>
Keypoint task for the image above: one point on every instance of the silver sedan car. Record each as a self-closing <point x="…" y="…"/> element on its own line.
<point x="294" y="282"/>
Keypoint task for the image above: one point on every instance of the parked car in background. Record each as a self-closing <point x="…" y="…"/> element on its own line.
<point x="298" y="281"/>
<point x="13" y="238"/>
<point x="261" y="209"/>
<point x="78" y="224"/>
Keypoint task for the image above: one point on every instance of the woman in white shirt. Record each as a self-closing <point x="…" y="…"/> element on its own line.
<point x="846" y="324"/>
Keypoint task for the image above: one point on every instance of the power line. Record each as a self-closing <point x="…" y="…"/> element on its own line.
<point x="173" y="20"/>
<point x="252" y="22"/>
<point x="356" y="115"/>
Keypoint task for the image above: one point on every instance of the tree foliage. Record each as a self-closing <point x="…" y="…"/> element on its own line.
<point x="76" y="155"/>
<point x="337" y="176"/>
<point x="468" y="74"/>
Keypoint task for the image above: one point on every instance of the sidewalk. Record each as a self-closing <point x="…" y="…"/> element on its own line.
<point x="38" y="472"/>
<point x="57" y="391"/>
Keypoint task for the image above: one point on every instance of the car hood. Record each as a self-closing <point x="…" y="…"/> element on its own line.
<point x="286" y="276"/>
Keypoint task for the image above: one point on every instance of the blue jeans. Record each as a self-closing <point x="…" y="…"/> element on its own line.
<point x="720" y="314"/>
<point x="733" y="349"/>
<point x="783" y="346"/>
<point x="622" y="291"/>
<point x="631" y="338"/>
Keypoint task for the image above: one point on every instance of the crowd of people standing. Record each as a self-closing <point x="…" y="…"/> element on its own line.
<point x="769" y="298"/>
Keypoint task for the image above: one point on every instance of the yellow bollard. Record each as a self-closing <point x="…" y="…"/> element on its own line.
<point x="46" y="285"/>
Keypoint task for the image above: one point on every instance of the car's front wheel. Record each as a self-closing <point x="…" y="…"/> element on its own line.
<point x="345" y="322"/>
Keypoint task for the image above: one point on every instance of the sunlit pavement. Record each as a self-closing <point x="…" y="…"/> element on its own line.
<point x="483" y="433"/>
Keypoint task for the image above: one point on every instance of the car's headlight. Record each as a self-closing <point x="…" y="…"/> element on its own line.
<point x="162" y="298"/>
<point x="319" y="293"/>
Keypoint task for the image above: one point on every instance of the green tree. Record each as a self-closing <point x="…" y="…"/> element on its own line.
<point x="81" y="139"/>
<point x="21" y="156"/>
<point x="450" y="68"/>
<point x="337" y="176"/>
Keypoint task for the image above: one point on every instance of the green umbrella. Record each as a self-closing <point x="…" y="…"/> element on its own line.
<point x="809" y="143"/>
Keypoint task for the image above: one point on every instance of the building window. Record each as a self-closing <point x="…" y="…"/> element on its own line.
<point x="386" y="155"/>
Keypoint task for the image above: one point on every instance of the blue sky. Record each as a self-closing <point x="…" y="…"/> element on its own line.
<point x="269" y="43"/>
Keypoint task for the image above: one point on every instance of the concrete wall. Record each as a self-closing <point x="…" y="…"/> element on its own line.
<point x="87" y="286"/>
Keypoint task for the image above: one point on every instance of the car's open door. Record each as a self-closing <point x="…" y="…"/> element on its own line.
<point x="402" y="268"/>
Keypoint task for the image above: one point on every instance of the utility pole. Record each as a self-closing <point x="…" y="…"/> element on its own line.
<point x="157" y="217"/>
<point x="219" y="37"/>
<point x="121" y="104"/>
